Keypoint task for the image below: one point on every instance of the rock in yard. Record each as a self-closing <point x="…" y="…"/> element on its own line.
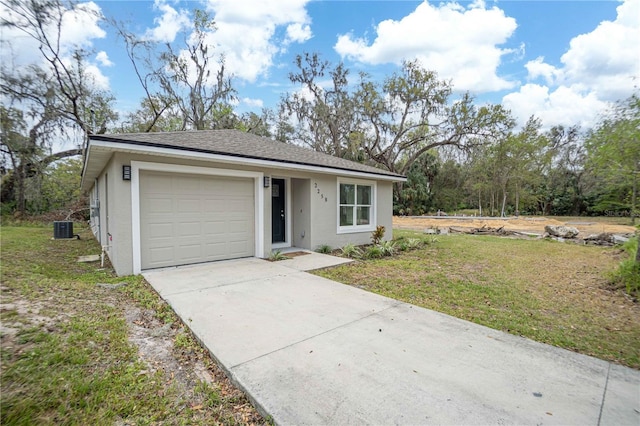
<point x="604" y="237"/>
<point x="89" y="258"/>
<point x="620" y="239"/>
<point x="561" y="231"/>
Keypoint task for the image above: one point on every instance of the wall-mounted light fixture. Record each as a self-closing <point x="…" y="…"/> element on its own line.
<point x="126" y="172"/>
<point x="267" y="181"/>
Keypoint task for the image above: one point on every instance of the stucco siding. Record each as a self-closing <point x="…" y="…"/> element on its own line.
<point x="119" y="220"/>
<point x="324" y="217"/>
<point x="312" y="211"/>
<point x="301" y="212"/>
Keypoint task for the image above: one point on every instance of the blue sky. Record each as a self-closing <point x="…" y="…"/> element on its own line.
<point x="563" y="61"/>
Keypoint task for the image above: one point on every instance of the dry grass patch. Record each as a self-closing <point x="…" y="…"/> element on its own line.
<point x="547" y="291"/>
<point x="82" y="346"/>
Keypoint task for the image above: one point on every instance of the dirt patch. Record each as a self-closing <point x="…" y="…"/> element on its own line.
<point x="159" y="346"/>
<point x="533" y="225"/>
<point x="296" y="254"/>
<point x="164" y="347"/>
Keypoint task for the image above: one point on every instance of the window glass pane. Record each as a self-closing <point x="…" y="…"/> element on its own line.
<point x="346" y="216"/>
<point x="347" y="194"/>
<point x="363" y="215"/>
<point x="364" y="195"/>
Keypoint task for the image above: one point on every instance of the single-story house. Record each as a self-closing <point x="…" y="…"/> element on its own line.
<point x="176" y="198"/>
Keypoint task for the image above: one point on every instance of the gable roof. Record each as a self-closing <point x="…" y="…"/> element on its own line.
<point x="231" y="143"/>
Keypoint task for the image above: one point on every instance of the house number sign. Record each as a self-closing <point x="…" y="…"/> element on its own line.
<point x="320" y="193"/>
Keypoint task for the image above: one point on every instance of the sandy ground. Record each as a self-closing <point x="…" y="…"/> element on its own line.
<point x="522" y="224"/>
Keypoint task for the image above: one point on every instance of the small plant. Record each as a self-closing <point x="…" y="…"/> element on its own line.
<point x="324" y="248"/>
<point x="413" y="243"/>
<point x="627" y="276"/>
<point x="402" y="245"/>
<point x="388" y="248"/>
<point x="377" y="235"/>
<point x="373" y="252"/>
<point x="277" y="255"/>
<point x="351" y="250"/>
<point x="431" y="239"/>
<point x="182" y="340"/>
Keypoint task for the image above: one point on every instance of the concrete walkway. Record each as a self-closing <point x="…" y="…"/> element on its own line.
<point x="312" y="351"/>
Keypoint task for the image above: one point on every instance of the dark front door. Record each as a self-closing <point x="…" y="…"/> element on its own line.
<point x="277" y="211"/>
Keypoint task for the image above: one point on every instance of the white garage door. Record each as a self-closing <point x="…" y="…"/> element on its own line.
<point x="194" y="218"/>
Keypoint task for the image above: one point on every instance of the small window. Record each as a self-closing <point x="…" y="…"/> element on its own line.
<point x="355" y="210"/>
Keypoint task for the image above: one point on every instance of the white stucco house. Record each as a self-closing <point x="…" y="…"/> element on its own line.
<point x="177" y="198"/>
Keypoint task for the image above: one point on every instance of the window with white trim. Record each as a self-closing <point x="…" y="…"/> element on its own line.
<point x="355" y="209"/>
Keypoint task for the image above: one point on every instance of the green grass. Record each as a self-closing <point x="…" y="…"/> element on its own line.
<point x="66" y="354"/>
<point x="627" y="276"/>
<point x="547" y="291"/>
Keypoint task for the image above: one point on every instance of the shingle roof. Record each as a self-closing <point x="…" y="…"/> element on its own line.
<point x="240" y="144"/>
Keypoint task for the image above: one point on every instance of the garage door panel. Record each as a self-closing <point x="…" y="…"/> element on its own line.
<point x="214" y="205"/>
<point x="238" y="226"/>
<point x="192" y="218"/>
<point x="160" y="205"/>
<point x="159" y="184"/>
<point x="160" y="230"/>
<point x="164" y="254"/>
<point x="188" y="205"/>
<point x="187" y="184"/>
<point x="215" y="229"/>
<point x="216" y="250"/>
<point x="189" y="229"/>
<point x="189" y="252"/>
<point x="237" y="248"/>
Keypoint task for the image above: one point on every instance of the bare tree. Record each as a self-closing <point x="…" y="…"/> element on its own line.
<point x="48" y="99"/>
<point x="188" y="78"/>
<point x="69" y="89"/>
<point x="410" y="113"/>
<point x="324" y="109"/>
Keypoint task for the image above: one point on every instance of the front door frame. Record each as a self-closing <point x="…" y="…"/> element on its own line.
<point x="287" y="214"/>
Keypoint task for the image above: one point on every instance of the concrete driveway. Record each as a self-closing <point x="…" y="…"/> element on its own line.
<point x="308" y="350"/>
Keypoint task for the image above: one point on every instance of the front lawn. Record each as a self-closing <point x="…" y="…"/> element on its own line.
<point x="548" y="291"/>
<point x="82" y="346"/>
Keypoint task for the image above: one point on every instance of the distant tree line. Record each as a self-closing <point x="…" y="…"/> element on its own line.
<point x="457" y="156"/>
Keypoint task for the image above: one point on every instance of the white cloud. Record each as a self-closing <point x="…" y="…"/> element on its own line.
<point x="103" y="59"/>
<point x="298" y="33"/>
<point x="248" y="36"/>
<point x="459" y="43"/>
<point x="95" y="76"/>
<point x="169" y="24"/>
<point x="256" y="103"/>
<point x="79" y="27"/>
<point x="537" y="68"/>
<point x="564" y="106"/>
<point x="605" y="60"/>
<point x="598" y="68"/>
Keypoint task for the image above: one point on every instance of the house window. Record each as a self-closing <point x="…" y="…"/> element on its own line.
<point x="355" y="210"/>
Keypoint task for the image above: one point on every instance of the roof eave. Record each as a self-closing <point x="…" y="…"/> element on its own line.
<point x="113" y="145"/>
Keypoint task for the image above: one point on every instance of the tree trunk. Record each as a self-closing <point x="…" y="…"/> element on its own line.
<point x="517" y="201"/>
<point x="504" y="202"/>
<point x="21" y="205"/>
<point x="493" y="201"/>
<point x="634" y="198"/>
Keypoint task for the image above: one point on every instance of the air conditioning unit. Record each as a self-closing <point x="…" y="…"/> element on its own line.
<point x="62" y="229"/>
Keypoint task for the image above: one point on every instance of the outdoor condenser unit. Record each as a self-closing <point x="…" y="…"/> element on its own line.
<point x="62" y="229"/>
